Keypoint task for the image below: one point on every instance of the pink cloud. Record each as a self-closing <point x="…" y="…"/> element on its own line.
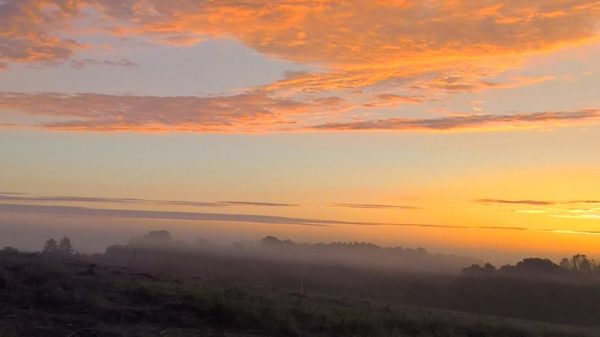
<point x="371" y="55"/>
<point x="469" y="122"/>
<point x="248" y="112"/>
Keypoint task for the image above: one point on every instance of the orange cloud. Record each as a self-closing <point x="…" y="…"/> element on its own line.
<point x="391" y="100"/>
<point x="243" y="113"/>
<point x="373" y="54"/>
<point x="26" y="28"/>
<point x="246" y="113"/>
<point x="461" y="83"/>
<point x="358" y="41"/>
<point x="359" y="32"/>
<point x="363" y="42"/>
<point x="468" y="122"/>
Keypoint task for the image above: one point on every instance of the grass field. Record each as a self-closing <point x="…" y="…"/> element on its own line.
<point x="49" y="297"/>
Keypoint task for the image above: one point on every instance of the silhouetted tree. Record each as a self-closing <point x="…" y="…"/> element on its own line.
<point x="51" y="247"/>
<point x="9" y="250"/>
<point x="273" y="241"/>
<point x="477" y="270"/>
<point x="533" y="265"/>
<point x="64" y="246"/>
<point x="161" y="236"/>
<point x="581" y="263"/>
<point x="489" y="268"/>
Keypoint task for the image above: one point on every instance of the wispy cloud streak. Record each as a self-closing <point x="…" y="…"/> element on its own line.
<point x="86" y="62"/>
<point x="535" y="202"/>
<point x="247" y="113"/>
<point x="242" y="113"/>
<point x="59" y="210"/>
<point x="256" y="203"/>
<point x="161" y="215"/>
<point x="373" y="206"/>
<point x="13" y="197"/>
<point x="22" y="197"/>
<point x="516" y="202"/>
<point x="468" y="122"/>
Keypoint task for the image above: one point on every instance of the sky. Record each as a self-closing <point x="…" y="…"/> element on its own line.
<point x="466" y="127"/>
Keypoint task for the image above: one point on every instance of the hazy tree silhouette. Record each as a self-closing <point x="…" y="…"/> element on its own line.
<point x="581" y="263"/>
<point x="158" y="236"/>
<point x="10" y="250"/>
<point x="534" y="263"/>
<point x="51" y="247"/>
<point x="62" y="248"/>
<point x="274" y="241"/>
<point x="475" y="269"/>
<point x="65" y="247"/>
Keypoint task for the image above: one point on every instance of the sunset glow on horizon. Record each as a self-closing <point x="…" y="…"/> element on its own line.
<point x="466" y="127"/>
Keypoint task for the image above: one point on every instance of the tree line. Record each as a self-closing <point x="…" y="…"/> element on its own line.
<point x="579" y="264"/>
